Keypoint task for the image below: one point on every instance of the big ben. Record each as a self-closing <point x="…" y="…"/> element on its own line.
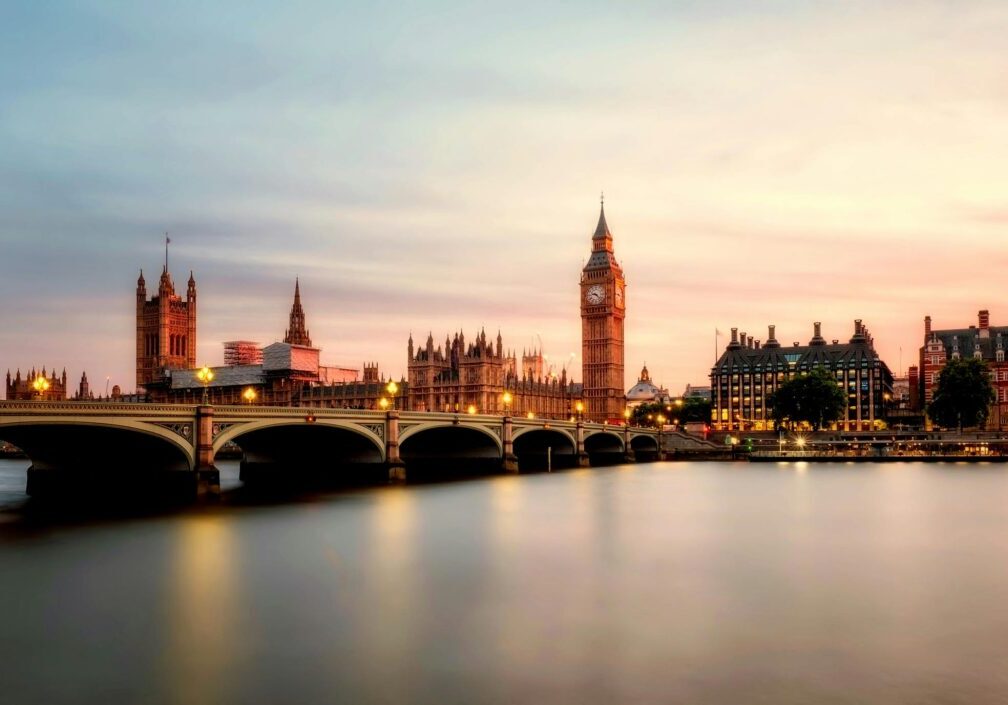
<point x="603" y="308"/>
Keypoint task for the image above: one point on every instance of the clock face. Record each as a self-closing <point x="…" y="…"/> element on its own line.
<point x="595" y="294"/>
<point x="619" y="296"/>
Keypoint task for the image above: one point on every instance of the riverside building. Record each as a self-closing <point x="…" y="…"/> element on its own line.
<point x="981" y="341"/>
<point x="748" y="372"/>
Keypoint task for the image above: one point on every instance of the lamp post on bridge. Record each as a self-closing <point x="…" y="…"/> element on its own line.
<point x="249" y="395"/>
<point x="392" y="388"/>
<point x="205" y="375"/>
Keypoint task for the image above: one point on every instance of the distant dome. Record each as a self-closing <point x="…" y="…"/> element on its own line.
<point x="644" y="390"/>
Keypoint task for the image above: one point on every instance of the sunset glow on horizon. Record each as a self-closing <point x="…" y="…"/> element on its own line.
<point x="434" y="168"/>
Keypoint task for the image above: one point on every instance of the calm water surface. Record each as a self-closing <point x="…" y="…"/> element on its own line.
<point x="682" y="583"/>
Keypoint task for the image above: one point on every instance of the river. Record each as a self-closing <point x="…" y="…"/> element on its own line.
<point x="672" y="582"/>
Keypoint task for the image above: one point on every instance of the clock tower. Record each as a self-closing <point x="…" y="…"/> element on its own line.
<point x="603" y="308"/>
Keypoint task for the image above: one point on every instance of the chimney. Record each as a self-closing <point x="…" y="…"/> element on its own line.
<point x="734" y="335"/>
<point x="817" y="326"/>
<point x="927" y="326"/>
<point x="757" y="345"/>
<point x="984" y="319"/>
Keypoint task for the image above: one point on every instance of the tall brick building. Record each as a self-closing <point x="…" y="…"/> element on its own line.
<point x="981" y="341"/>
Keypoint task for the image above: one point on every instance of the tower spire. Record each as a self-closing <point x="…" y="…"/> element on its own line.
<point x="167" y="241"/>
<point x="297" y="332"/>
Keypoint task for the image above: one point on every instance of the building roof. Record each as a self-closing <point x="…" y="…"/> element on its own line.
<point x="968" y="340"/>
<point x="602" y="229"/>
<point x="818" y="353"/>
<point x="232" y="376"/>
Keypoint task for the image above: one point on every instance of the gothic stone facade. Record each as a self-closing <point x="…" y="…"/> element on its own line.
<point x="21" y="389"/>
<point x="165" y="329"/>
<point x="461" y="377"/>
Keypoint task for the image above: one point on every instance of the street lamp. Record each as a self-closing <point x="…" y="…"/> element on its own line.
<point x="205" y="375"/>
<point x="530" y="415"/>
<point x="41" y="385"/>
<point x="507" y="399"/>
<point x="383" y="403"/>
<point x="626" y="417"/>
<point x="579" y="408"/>
<point x="392" y="388"/>
<point x="249" y="395"/>
<point x="471" y="409"/>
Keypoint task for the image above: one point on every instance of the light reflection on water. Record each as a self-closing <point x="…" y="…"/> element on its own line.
<point x="652" y="583"/>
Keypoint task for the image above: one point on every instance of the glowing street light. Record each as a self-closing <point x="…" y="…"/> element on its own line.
<point x="41" y="385"/>
<point x="205" y="375"/>
<point x="579" y="408"/>
<point x="507" y="399"/>
<point x="392" y="388"/>
<point x="249" y="395"/>
<point x="626" y="416"/>
<point x="471" y="409"/>
<point x="383" y="403"/>
<point x="530" y="415"/>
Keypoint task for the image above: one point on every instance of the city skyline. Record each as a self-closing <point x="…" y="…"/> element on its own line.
<point x="807" y="165"/>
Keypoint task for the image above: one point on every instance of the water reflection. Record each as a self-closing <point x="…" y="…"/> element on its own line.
<point x="705" y="583"/>
<point x="203" y="634"/>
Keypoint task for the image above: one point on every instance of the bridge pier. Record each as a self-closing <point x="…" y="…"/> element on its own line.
<point x="583" y="461"/>
<point x="207" y="475"/>
<point x="628" y="454"/>
<point x="509" y="462"/>
<point x="393" y="461"/>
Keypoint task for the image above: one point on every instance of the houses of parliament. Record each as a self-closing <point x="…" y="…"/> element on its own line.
<point x="466" y="376"/>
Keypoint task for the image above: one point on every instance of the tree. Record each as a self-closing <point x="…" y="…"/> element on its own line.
<point x="679" y="412"/>
<point x="963" y="395"/>
<point x="814" y="398"/>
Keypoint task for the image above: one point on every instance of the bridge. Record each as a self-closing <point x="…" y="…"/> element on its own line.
<point x="131" y="442"/>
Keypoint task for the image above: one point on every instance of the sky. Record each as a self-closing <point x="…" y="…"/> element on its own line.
<point x="434" y="167"/>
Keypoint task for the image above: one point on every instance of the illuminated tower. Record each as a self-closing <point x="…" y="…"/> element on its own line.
<point x="603" y="308"/>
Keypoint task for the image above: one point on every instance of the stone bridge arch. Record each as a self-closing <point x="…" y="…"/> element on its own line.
<point x="292" y="449"/>
<point x="644" y="446"/>
<point x="80" y="454"/>
<point x="604" y="447"/>
<point x="540" y="447"/>
<point x="443" y="449"/>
